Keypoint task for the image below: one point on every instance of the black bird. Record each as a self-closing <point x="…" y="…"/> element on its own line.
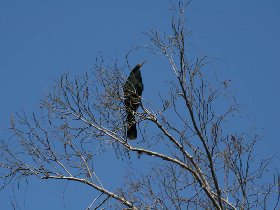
<point x="133" y="89"/>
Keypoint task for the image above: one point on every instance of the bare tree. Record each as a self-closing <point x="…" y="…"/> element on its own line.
<point x="198" y="160"/>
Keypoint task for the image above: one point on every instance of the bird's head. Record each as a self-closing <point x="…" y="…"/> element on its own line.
<point x="138" y="66"/>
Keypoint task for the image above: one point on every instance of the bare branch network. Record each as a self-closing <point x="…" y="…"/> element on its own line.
<point x="198" y="160"/>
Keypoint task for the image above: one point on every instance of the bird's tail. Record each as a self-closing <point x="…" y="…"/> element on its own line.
<point x="131" y="127"/>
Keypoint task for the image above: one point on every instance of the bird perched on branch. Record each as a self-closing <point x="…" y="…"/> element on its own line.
<point x="133" y="89"/>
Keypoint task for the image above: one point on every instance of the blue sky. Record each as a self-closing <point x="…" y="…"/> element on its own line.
<point x="40" y="40"/>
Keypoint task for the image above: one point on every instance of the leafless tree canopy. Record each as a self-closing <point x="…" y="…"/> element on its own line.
<point x="198" y="160"/>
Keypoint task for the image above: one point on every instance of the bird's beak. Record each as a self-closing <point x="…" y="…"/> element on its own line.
<point x="143" y="63"/>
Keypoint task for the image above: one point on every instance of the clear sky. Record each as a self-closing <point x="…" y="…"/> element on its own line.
<point x="40" y="40"/>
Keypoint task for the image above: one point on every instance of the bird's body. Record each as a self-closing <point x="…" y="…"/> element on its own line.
<point x="133" y="89"/>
